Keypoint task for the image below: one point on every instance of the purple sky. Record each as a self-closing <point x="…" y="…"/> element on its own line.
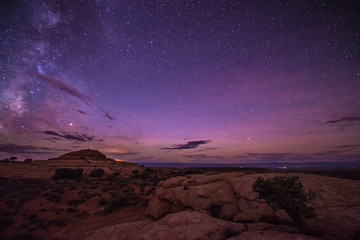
<point x="181" y="81"/>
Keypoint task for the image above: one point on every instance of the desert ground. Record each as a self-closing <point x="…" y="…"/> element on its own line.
<point x="129" y="201"/>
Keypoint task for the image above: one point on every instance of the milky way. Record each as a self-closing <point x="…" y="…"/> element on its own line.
<point x="181" y="81"/>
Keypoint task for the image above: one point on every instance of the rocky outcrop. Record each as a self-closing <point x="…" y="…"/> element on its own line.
<point x="190" y="226"/>
<point x="217" y="195"/>
<point x="229" y="196"/>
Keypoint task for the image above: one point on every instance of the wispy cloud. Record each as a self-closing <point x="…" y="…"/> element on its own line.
<point x="80" y="111"/>
<point x="76" y="137"/>
<point x="107" y="114"/>
<point x="188" y="145"/>
<point x="349" y="146"/>
<point x="344" y="119"/>
<point x="128" y="154"/>
<point x="65" y="88"/>
<point x="15" y="149"/>
<point x="61" y="86"/>
<point x="204" y="157"/>
<point x="340" y="153"/>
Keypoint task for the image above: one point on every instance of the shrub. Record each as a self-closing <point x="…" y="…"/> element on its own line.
<point x="52" y="197"/>
<point x="68" y="173"/>
<point x="119" y="200"/>
<point x="136" y="173"/>
<point x="6" y="221"/>
<point x="74" y="202"/>
<point x="98" y="172"/>
<point x="23" y="236"/>
<point x="102" y="202"/>
<point x="177" y="174"/>
<point x="71" y="210"/>
<point x="27" y="160"/>
<point x="58" y="190"/>
<point x="33" y="216"/>
<point x="192" y="171"/>
<point x="287" y="193"/>
<point x="148" y="173"/>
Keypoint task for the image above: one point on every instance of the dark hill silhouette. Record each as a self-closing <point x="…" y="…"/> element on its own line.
<point x="83" y="154"/>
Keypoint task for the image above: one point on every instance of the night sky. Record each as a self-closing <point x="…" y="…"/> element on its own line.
<point x="181" y="81"/>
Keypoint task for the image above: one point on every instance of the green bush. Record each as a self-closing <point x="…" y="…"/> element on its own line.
<point x="282" y="192"/>
<point x="68" y="173"/>
<point x="98" y="172"/>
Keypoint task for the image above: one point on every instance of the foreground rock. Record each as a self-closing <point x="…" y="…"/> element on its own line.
<point x="229" y="196"/>
<point x="190" y="225"/>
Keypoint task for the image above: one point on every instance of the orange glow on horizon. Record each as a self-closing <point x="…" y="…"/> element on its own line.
<point x="119" y="160"/>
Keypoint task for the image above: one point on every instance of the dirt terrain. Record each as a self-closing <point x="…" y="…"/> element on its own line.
<point x="128" y="201"/>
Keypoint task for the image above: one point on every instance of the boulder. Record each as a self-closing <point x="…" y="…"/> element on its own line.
<point x="214" y="194"/>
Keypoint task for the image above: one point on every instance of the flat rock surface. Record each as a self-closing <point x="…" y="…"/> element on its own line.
<point x="191" y="225"/>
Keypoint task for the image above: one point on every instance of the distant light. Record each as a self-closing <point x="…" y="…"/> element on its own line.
<point x="70" y="124"/>
<point x="119" y="160"/>
<point x="248" y="138"/>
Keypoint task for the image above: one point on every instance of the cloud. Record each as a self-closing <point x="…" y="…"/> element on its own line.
<point x="52" y="133"/>
<point x="81" y="138"/>
<point x="82" y="112"/>
<point x="203" y="157"/>
<point x="128" y="154"/>
<point x="61" y="86"/>
<point x="188" y="145"/>
<point x="344" y="119"/>
<point x="79" y="111"/>
<point x="340" y="153"/>
<point x="107" y="114"/>
<point x="349" y="146"/>
<point x="206" y="149"/>
<point x="271" y="157"/>
<point x="14" y="149"/>
<point x="52" y="139"/>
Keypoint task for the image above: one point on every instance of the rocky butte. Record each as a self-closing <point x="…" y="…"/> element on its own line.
<point x="127" y="201"/>
<point x="83" y="154"/>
